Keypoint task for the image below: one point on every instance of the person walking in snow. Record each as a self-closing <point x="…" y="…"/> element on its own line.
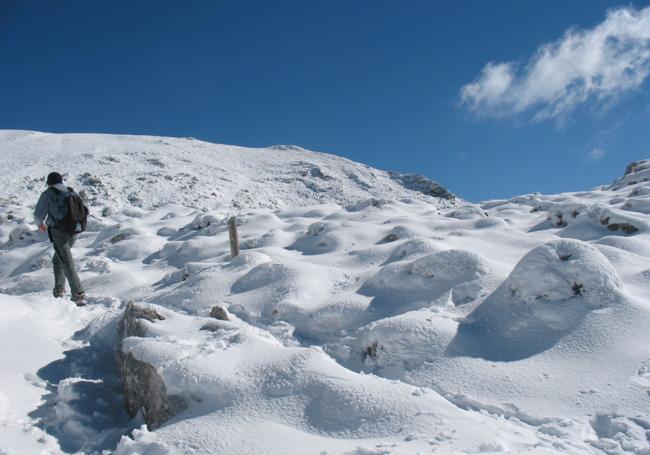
<point x="52" y="214"/>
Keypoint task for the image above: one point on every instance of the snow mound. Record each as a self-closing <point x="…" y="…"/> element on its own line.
<point x="392" y="346"/>
<point x="637" y="204"/>
<point x="264" y="275"/>
<point x="398" y="233"/>
<point x="321" y="237"/>
<point x="545" y="297"/>
<point x="230" y="377"/>
<point x="413" y="248"/>
<point x="334" y="320"/>
<point x="467" y="212"/>
<point x="416" y="284"/>
<point x="586" y="221"/>
<point x="483" y="329"/>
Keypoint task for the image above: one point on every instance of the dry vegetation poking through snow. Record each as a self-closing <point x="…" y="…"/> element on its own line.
<point x="362" y="316"/>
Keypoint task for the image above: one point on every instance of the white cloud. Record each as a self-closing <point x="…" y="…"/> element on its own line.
<point x="597" y="154"/>
<point x="598" y="64"/>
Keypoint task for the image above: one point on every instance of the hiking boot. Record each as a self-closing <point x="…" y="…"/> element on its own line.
<point x="58" y="293"/>
<point x="79" y="299"/>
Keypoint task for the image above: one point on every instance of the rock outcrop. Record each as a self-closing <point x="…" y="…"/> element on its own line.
<point x="417" y="182"/>
<point x="144" y="390"/>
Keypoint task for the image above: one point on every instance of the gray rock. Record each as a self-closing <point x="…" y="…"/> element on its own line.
<point x="218" y="312"/>
<point x="144" y="390"/>
<point x="131" y="323"/>
<point x="636" y="166"/>
<point x="417" y="182"/>
<point x="121" y="236"/>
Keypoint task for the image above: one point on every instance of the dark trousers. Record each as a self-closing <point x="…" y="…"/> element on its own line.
<point x="62" y="262"/>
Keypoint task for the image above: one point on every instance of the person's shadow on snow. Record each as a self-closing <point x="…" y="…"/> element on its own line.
<point x="83" y="407"/>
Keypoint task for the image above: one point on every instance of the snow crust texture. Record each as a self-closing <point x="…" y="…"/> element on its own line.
<point x="364" y="315"/>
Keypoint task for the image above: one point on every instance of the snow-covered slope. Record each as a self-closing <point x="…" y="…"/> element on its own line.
<point x="146" y="172"/>
<point x="362" y="324"/>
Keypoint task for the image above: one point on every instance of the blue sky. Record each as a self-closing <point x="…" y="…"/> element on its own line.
<point x="462" y="91"/>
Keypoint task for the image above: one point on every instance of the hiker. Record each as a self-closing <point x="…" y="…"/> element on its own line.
<point x="53" y="214"/>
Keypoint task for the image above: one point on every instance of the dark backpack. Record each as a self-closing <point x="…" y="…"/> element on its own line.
<point x="76" y="216"/>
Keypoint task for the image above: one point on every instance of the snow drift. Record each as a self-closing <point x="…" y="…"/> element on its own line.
<point x="547" y="294"/>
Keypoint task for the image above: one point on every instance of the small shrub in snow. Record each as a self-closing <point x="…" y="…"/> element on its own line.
<point x="563" y="214"/>
<point x="578" y="288"/>
<point x="371" y="350"/>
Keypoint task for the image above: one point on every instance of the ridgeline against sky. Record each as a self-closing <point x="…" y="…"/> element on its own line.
<point x="491" y="99"/>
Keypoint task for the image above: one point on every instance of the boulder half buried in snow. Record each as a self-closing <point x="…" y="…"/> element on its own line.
<point x="545" y="297"/>
<point x="144" y="390"/>
<point x="399" y="287"/>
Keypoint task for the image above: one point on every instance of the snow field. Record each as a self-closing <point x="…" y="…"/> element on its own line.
<point x="359" y="323"/>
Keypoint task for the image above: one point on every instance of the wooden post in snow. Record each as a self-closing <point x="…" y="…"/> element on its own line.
<point x="234" y="239"/>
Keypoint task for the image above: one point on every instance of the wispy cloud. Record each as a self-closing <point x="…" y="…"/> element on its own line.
<point x="597" y="154"/>
<point x="597" y="64"/>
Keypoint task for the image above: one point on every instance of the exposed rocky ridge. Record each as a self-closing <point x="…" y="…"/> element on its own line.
<point x="417" y="182"/>
<point x="616" y="208"/>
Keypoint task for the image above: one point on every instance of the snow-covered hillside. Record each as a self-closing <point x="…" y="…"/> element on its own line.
<point x="147" y="172"/>
<point x="363" y="317"/>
